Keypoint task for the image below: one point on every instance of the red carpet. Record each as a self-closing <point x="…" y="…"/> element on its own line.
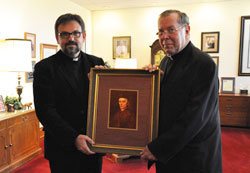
<point x="235" y="146"/>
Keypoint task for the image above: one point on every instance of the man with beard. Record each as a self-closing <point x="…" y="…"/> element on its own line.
<point x="189" y="136"/>
<point x="61" y="88"/>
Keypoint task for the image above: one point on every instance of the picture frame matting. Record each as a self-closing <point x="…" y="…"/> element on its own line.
<point x="123" y="83"/>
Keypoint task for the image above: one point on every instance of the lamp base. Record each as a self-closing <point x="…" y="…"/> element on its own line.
<point x="19" y="88"/>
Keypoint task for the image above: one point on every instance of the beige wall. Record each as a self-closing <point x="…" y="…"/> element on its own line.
<point x="141" y="25"/>
<point x="38" y="16"/>
<point x="34" y="16"/>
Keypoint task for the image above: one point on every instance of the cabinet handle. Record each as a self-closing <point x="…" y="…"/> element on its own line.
<point x="23" y="118"/>
<point x="6" y="147"/>
<point x="11" y="145"/>
<point x="228" y="114"/>
<point x="230" y="99"/>
<point x="229" y="107"/>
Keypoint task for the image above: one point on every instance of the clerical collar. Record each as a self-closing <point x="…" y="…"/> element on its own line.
<point x="77" y="58"/>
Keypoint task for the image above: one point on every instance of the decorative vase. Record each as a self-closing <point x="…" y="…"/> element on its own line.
<point x="10" y="108"/>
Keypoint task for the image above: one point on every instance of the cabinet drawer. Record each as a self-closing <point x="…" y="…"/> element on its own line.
<point x="228" y="114"/>
<point x="233" y="108"/>
<point x="237" y="101"/>
<point x="234" y="121"/>
<point x="21" y="119"/>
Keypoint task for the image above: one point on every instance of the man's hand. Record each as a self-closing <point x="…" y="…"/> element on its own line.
<point x="147" y="155"/>
<point x="81" y="144"/>
<point x="151" y="68"/>
<point x="101" y="67"/>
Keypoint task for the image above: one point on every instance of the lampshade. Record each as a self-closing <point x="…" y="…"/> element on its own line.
<point x="15" y="55"/>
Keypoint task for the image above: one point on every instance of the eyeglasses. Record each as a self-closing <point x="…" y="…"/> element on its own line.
<point x="170" y="30"/>
<point x="66" y="35"/>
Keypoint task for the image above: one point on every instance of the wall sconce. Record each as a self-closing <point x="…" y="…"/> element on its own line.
<point x="15" y="56"/>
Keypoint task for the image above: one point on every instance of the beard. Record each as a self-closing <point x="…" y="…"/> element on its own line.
<point x="71" y="51"/>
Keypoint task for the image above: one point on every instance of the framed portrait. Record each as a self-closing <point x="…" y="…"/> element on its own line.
<point x="227" y="85"/>
<point x="2" y="106"/>
<point x="32" y="37"/>
<point x="122" y="47"/>
<point x="123" y="110"/>
<point x="29" y="75"/>
<point x="244" y="60"/>
<point x="210" y="42"/>
<point x="47" y="50"/>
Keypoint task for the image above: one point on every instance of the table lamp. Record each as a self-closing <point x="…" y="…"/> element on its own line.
<point x="15" y="56"/>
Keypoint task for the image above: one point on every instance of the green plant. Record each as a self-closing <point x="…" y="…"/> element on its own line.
<point x="13" y="101"/>
<point x="107" y="64"/>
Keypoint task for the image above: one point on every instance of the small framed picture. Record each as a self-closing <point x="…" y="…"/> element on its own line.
<point x="244" y="61"/>
<point x="210" y="42"/>
<point x="122" y="47"/>
<point x="216" y="60"/>
<point x="29" y="75"/>
<point x="32" y="37"/>
<point x="47" y="50"/>
<point x="227" y="84"/>
<point x="2" y="106"/>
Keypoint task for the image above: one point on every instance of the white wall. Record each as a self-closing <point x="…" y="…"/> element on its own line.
<point x="141" y="25"/>
<point x="38" y="17"/>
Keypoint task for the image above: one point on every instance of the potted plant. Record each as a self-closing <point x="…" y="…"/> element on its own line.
<point x="12" y="103"/>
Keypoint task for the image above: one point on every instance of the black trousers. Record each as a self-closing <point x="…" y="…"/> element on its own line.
<point x="77" y="165"/>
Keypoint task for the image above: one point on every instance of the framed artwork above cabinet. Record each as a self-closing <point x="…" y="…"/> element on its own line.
<point x="157" y="54"/>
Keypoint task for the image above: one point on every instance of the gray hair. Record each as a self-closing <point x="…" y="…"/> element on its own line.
<point x="182" y="20"/>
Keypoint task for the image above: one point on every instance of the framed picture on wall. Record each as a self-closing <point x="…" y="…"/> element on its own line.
<point x="227" y="84"/>
<point x="244" y="59"/>
<point x="216" y="60"/>
<point x="122" y="47"/>
<point x="117" y="92"/>
<point x="32" y="37"/>
<point x="29" y="75"/>
<point x="210" y="42"/>
<point x="2" y="106"/>
<point x="47" y="50"/>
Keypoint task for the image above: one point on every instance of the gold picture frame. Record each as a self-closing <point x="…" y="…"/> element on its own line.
<point x="210" y="42"/>
<point x="47" y="50"/>
<point x="32" y="37"/>
<point x="122" y="47"/>
<point x="107" y="88"/>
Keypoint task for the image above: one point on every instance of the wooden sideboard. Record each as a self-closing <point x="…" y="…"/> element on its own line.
<point x="235" y="110"/>
<point x="19" y="139"/>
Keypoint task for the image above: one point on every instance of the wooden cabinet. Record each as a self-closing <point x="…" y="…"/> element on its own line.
<point x="19" y="139"/>
<point x="234" y="110"/>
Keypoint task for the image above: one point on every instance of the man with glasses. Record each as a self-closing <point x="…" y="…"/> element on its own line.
<point x="189" y="137"/>
<point x="61" y="87"/>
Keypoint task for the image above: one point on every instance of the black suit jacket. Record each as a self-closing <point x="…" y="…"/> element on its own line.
<point x="61" y="103"/>
<point x="189" y="124"/>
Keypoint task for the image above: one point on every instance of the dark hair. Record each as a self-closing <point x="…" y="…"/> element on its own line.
<point x="183" y="18"/>
<point x="65" y="18"/>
